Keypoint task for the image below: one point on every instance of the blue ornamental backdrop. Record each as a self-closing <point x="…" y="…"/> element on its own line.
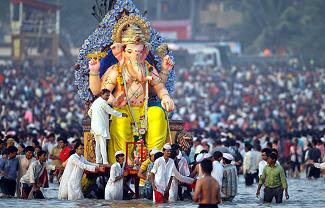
<point x="101" y="38"/>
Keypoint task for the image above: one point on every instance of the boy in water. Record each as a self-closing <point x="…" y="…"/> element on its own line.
<point x="207" y="189"/>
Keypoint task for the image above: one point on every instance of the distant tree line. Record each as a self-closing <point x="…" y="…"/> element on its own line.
<point x="297" y="26"/>
<point x="294" y="26"/>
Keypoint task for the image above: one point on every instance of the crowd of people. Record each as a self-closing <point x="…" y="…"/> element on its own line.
<point x="282" y="106"/>
<point x="34" y="101"/>
<point x="277" y="101"/>
<point x="168" y="175"/>
<point x="243" y="119"/>
<point x="24" y="170"/>
<point x="252" y="99"/>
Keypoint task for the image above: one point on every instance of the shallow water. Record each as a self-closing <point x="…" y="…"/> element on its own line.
<point x="303" y="193"/>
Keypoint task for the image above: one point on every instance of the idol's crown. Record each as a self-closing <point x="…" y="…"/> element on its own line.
<point x="133" y="35"/>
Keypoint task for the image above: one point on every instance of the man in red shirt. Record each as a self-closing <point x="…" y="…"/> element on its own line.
<point x="65" y="153"/>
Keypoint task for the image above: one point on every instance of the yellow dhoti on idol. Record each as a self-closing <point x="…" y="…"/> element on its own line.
<point x="121" y="130"/>
<point x="130" y="81"/>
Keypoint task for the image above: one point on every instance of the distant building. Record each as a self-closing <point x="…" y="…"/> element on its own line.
<point x="201" y="19"/>
<point x="216" y="17"/>
<point x="34" y="31"/>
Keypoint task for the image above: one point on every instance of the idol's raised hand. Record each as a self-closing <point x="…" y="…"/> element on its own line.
<point x="167" y="63"/>
<point x="167" y="103"/>
<point x="94" y="65"/>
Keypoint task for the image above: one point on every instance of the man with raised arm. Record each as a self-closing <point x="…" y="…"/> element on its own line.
<point x="99" y="113"/>
<point x="162" y="173"/>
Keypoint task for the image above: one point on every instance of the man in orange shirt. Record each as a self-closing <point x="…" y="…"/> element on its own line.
<point x="65" y="149"/>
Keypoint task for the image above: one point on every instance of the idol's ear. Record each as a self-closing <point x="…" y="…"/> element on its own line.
<point x="145" y="53"/>
<point x="117" y="50"/>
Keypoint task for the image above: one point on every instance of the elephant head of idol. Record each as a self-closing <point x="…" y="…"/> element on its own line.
<point x="131" y="36"/>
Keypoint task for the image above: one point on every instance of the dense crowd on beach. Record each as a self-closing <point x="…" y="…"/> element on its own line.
<point x="242" y="119"/>
<point x="280" y="101"/>
<point x="37" y="100"/>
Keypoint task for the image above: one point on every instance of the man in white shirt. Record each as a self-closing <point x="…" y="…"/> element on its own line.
<point x="70" y="186"/>
<point x="49" y="143"/>
<point x="31" y="181"/>
<point x="24" y="162"/>
<point x="162" y="173"/>
<point x="217" y="171"/>
<point x="114" y="186"/>
<point x="265" y="153"/>
<point x="99" y="114"/>
<point x="183" y="169"/>
<point x="250" y="165"/>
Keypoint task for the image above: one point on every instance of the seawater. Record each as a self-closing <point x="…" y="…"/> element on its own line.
<point x="303" y="193"/>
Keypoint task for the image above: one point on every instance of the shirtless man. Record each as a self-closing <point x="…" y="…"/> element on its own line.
<point x="207" y="189"/>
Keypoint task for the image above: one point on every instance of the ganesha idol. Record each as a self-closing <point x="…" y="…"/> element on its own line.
<point x="132" y="81"/>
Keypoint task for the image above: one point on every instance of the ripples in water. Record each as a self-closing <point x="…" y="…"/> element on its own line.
<point x="303" y="193"/>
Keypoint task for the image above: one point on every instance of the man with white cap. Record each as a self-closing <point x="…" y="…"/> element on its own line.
<point x="195" y="149"/>
<point x="99" y="113"/>
<point x="217" y="171"/>
<point x="143" y="173"/>
<point x="229" y="180"/>
<point x="114" y="186"/>
<point x="197" y="172"/>
<point x="163" y="171"/>
<point x="197" y="145"/>
<point x="207" y="156"/>
<point x="205" y="144"/>
<point x="182" y="162"/>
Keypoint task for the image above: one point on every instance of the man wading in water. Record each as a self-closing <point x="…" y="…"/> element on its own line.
<point x="207" y="189"/>
<point x="274" y="180"/>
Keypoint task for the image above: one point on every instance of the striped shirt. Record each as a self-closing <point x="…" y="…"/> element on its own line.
<point x="229" y="181"/>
